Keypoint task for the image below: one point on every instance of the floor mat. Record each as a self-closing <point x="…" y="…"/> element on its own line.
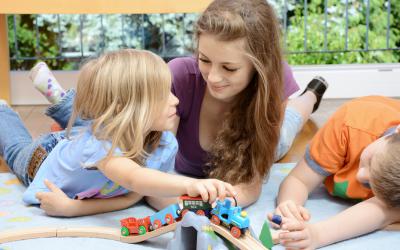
<point x="15" y="215"/>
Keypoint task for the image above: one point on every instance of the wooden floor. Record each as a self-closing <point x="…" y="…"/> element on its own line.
<point x="37" y="123"/>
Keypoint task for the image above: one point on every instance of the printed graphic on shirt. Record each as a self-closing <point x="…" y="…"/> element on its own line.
<point x="340" y="189"/>
<point x="110" y="189"/>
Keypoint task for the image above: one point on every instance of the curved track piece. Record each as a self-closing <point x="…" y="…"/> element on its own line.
<point x="89" y="232"/>
<point x="245" y="242"/>
<point x="26" y="234"/>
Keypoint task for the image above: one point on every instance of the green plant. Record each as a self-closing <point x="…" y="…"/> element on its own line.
<point x="171" y="35"/>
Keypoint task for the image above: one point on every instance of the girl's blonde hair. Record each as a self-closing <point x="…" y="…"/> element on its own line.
<point x="122" y="92"/>
<point x="245" y="146"/>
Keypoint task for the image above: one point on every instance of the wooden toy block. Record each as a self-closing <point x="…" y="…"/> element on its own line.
<point x="277" y="219"/>
<point x="266" y="236"/>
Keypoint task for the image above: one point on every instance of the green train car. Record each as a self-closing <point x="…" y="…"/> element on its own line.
<point x="196" y="205"/>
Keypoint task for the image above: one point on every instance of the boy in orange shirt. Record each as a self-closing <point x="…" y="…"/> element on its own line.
<point x="357" y="156"/>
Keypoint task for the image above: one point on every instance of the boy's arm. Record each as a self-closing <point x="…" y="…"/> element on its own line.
<point x="57" y="203"/>
<point x="294" y="190"/>
<point x="325" y="155"/>
<point x="362" y="218"/>
<point x="299" y="183"/>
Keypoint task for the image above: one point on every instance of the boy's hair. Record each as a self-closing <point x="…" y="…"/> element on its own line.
<point x="245" y="147"/>
<point x="385" y="172"/>
<point x="122" y="92"/>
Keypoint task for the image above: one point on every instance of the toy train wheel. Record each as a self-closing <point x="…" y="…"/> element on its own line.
<point x="157" y="224"/>
<point x="215" y="220"/>
<point x="184" y="211"/>
<point x="200" y="212"/>
<point x="124" y="231"/>
<point x="169" y="219"/>
<point x="142" y="230"/>
<point x="235" y="231"/>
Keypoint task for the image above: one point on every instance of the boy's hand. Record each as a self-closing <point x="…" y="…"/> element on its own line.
<point x="55" y="202"/>
<point x="210" y="189"/>
<point x="297" y="235"/>
<point x="289" y="209"/>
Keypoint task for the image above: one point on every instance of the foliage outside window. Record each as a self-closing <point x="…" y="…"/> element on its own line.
<point x="63" y="41"/>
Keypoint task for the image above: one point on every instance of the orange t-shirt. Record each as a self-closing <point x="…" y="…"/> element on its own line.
<point x="336" y="148"/>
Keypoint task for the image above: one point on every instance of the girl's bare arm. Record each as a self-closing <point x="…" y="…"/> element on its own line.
<point x="57" y="203"/>
<point x="150" y="182"/>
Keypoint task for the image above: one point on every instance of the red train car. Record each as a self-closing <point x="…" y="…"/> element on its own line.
<point x="136" y="226"/>
<point x="133" y="225"/>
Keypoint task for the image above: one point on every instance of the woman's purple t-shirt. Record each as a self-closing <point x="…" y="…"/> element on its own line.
<point x="189" y="87"/>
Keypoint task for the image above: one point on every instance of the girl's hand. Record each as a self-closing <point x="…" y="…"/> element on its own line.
<point x="210" y="189"/>
<point x="289" y="209"/>
<point x="297" y="235"/>
<point x="55" y="202"/>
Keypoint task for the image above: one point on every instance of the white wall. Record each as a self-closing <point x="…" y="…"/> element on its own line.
<point x="345" y="81"/>
<point x="348" y="81"/>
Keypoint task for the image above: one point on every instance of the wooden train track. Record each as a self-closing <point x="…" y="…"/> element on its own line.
<point x="246" y="242"/>
<point x="87" y="232"/>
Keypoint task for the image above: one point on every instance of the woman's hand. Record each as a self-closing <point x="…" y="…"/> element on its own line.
<point x="209" y="189"/>
<point x="55" y="202"/>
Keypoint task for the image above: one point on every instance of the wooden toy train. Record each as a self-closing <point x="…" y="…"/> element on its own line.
<point x="232" y="217"/>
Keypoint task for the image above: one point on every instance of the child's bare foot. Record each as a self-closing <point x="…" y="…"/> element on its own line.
<point x="46" y="83"/>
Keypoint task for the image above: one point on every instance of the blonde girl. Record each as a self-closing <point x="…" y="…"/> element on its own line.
<point x="123" y="102"/>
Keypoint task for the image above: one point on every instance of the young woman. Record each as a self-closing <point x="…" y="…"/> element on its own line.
<point x="124" y="101"/>
<point x="232" y="121"/>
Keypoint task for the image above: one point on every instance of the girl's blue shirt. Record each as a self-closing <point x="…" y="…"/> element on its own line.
<point x="70" y="167"/>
